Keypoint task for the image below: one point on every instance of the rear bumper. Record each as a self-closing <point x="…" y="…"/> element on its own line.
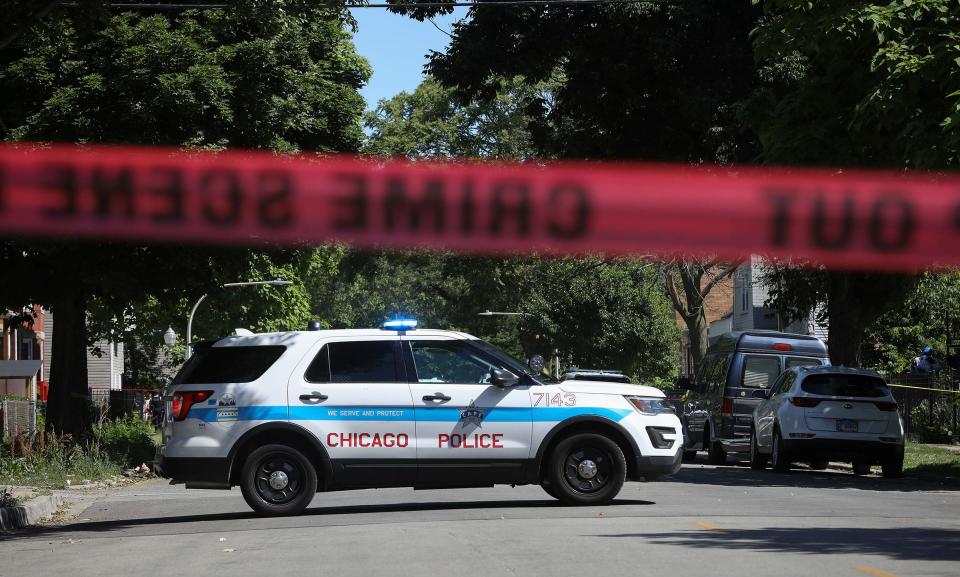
<point x="198" y="472"/>
<point x="652" y="468"/>
<point x="842" y="449"/>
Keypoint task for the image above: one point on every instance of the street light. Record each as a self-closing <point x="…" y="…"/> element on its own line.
<point x="169" y="337"/>
<point x="275" y="282"/>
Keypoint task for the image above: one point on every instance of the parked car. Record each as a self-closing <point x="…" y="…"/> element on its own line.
<point x="816" y="414"/>
<point x="729" y="385"/>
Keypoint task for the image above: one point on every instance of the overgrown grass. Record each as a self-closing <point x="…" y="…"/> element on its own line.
<point x="114" y="445"/>
<point x="7" y="499"/>
<point x="927" y="460"/>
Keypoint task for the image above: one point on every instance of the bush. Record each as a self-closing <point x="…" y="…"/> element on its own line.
<point x="126" y="441"/>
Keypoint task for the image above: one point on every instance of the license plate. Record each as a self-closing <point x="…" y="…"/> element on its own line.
<point x="847" y="426"/>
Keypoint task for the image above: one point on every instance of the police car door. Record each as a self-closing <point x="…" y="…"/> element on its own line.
<point x="352" y="393"/>
<point x="469" y="432"/>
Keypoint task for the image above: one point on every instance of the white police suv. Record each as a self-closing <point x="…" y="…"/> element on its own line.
<point x="285" y="415"/>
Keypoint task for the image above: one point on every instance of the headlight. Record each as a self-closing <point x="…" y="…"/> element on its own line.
<point x="648" y="406"/>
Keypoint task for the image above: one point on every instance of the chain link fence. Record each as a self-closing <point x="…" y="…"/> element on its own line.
<point x="928" y="405"/>
<point x="18" y="417"/>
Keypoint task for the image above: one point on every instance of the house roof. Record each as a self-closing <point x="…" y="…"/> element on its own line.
<point x="19" y="369"/>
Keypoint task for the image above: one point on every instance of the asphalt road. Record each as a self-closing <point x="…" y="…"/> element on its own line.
<point x="713" y="521"/>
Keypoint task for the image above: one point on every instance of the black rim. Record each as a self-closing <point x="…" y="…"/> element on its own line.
<point x="602" y="461"/>
<point x="282" y="464"/>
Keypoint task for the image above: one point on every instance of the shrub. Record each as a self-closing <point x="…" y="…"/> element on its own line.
<point x="126" y="441"/>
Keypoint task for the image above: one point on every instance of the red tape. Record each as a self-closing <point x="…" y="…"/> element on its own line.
<point x="854" y="220"/>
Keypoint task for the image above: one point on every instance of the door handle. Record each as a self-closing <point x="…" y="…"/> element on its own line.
<point x="314" y="396"/>
<point x="436" y="397"/>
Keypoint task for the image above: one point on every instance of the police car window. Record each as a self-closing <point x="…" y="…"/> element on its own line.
<point x="449" y="362"/>
<point x="229" y="365"/>
<point x="319" y="369"/>
<point x="760" y="372"/>
<point x="363" y="362"/>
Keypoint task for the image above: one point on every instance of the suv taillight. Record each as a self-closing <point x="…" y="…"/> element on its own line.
<point x="727" y="408"/>
<point x="804" y="401"/>
<point x="183" y="400"/>
<point x="886" y="406"/>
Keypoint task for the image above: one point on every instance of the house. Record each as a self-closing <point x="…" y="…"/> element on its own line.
<point x="749" y="305"/>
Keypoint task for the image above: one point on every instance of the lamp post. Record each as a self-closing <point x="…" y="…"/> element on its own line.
<point x="501" y="314"/>
<point x="275" y="282"/>
<point x="169" y="337"/>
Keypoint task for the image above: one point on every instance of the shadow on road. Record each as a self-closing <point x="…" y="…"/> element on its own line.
<point x="120" y="524"/>
<point x="896" y="543"/>
<point x="743" y="476"/>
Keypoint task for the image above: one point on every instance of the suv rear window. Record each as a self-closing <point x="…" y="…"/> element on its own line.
<point x="228" y="365"/>
<point x="845" y="386"/>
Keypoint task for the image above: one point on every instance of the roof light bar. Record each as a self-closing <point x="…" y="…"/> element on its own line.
<point x="399" y="325"/>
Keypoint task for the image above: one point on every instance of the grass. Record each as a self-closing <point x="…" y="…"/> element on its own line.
<point x="927" y="460"/>
<point x="114" y="446"/>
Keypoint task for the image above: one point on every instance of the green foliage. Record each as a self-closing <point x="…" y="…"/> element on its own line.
<point x="127" y="441"/>
<point x="859" y="83"/>
<point x="7" y="499"/>
<point x="55" y="463"/>
<point x="924" y="319"/>
<point x="430" y="123"/>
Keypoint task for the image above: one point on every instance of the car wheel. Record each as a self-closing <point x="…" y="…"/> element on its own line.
<point x="861" y="468"/>
<point x="586" y="469"/>
<point x="819" y="464"/>
<point x="779" y="460"/>
<point x="758" y="461"/>
<point x="689" y="456"/>
<point x="278" y="480"/>
<point x="715" y="453"/>
<point x="892" y="467"/>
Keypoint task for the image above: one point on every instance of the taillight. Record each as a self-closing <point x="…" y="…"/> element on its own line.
<point x="886" y="406"/>
<point x="183" y="400"/>
<point x="727" y="408"/>
<point x="804" y="401"/>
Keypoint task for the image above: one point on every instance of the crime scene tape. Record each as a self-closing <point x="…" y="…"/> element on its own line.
<point x="947" y="391"/>
<point x="866" y="220"/>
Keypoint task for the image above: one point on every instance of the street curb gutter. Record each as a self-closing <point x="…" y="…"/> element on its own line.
<point x="14" y="518"/>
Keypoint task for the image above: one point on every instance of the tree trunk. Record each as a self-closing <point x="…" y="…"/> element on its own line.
<point x="67" y="404"/>
<point x="854" y="302"/>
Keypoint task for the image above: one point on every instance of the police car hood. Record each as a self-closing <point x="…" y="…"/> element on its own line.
<point x="605" y="388"/>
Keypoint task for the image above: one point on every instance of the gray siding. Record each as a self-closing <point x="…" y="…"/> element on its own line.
<point x="105" y="371"/>
<point x="47" y="343"/>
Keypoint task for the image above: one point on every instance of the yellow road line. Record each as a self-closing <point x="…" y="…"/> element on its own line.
<point x="873" y="571"/>
<point x="706" y="526"/>
<point x="947" y="391"/>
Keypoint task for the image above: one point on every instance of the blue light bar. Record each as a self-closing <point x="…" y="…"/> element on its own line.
<point x="399" y="325"/>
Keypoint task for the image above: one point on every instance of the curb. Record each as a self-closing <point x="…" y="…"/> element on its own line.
<point x="14" y="518"/>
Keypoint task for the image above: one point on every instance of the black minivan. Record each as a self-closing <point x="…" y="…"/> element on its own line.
<point x="736" y="370"/>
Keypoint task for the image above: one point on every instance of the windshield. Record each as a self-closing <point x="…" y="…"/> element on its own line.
<point x="511" y="363"/>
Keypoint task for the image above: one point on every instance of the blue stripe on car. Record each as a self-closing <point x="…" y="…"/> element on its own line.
<point x="431" y="414"/>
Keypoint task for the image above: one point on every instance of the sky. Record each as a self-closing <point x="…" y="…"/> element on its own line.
<point x="396" y="47"/>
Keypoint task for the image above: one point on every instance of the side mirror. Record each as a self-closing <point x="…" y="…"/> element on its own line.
<point x="683" y="383"/>
<point x="503" y="378"/>
<point x="761" y="394"/>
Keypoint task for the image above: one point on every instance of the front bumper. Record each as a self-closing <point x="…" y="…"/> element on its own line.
<point x="842" y="450"/>
<point x="652" y="468"/>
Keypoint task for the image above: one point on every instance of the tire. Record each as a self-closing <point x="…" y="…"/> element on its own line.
<point x="758" y="461"/>
<point x="297" y="472"/>
<point x="586" y="469"/>
<point x="779" y="459"/>
<point x="716" y="455"/>
<point x="861" y="468"/>
<point x="689" y="456"/>
<point x="892" y="467"/>
<point x="550" y="490"/>
<point x="819" y="464"/>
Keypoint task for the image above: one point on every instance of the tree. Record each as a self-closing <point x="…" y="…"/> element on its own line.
<point x="431" y="123"/>
<point x="697" y="280"/>
<point x="856" y="84"/>
<point x="281" y="74"/>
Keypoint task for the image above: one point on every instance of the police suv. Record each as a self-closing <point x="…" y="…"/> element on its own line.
<point x="285" y="415"/>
